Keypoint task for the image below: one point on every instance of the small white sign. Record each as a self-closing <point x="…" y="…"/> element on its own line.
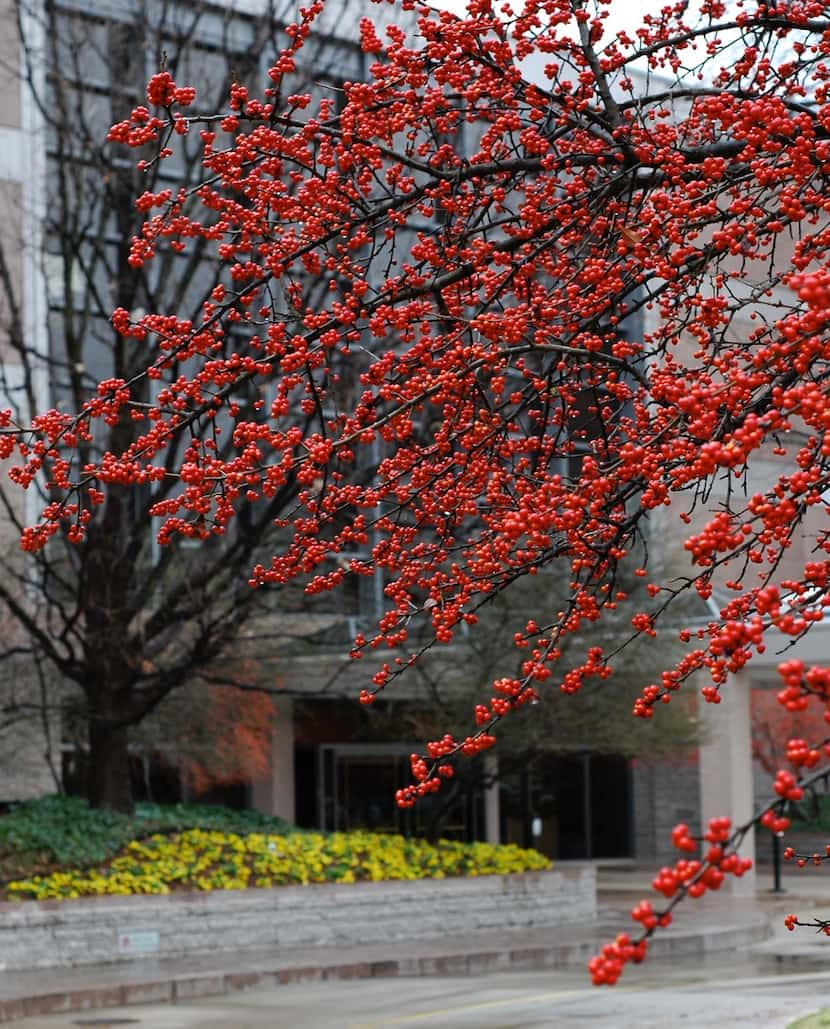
<point x="138" y="941"/>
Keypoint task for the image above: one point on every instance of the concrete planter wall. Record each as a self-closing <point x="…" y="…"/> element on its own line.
<point x="104" y="929"/>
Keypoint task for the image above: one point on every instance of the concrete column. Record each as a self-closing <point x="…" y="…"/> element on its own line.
<point x="726" y="768"/>
<point x="492" y="814"/>
<point x="274" y="795"/>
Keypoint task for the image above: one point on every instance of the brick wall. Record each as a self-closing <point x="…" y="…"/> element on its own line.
<point x="664" y="793"/>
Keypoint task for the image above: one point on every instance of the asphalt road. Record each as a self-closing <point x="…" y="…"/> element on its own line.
<point x="659" y="996"/>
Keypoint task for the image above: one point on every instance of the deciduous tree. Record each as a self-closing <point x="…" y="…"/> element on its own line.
<point x="489" y="214"/>
<point x="115" y="622"/>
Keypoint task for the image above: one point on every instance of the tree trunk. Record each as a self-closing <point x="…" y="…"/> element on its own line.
<point x="108" y="776"/>
<point x="107" y="684"/>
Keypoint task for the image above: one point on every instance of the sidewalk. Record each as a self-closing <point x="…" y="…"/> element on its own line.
<point x="714" y="924"/>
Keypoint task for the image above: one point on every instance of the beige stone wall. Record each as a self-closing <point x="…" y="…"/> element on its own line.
<point x="669" y="533"/>
<point x="11" y="282"/>
<point x="26" y="739"/>
<point x="94" y="929"/>
<point x="27" y="742"/>
<point x="725" y="767"/>
<point x="9" y="62"/>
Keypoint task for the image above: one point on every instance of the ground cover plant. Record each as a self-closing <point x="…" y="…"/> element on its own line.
<point x="51" y="833"/>
<point x="215" y="859"/>
<point x="572" y="314"/>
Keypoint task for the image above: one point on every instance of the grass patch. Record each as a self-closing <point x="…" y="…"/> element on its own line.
<point x="41" y="836"/>
<point x="818" y="1020"/>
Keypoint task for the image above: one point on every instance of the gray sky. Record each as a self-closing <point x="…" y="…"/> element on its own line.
<point x="625" y="14"/>
<point x="622" y="14"/>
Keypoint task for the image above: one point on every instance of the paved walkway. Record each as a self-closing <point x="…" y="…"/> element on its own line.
<point x="701" y="927"/>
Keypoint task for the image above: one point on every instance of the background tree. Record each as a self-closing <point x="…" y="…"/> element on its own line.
<point x="222" y="735"/>
<point x="116" y="619"/>
<point x="773" y="726"/>
<point x="597" y="721"/>
<point x="480" y="240"/>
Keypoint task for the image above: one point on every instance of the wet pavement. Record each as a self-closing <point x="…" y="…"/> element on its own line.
<point x="666" y="995"/>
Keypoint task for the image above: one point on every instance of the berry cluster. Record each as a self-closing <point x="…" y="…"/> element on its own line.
<point x="686" y="878"/>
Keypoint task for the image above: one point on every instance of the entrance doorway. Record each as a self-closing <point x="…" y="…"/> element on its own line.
<point x="579" y="806"/>
<point x="356" y="784"/>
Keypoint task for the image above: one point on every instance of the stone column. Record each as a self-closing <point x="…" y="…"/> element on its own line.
<point x="726" y="768"/>
<point x="492" y="814"/>
<point x="274" y="795"/>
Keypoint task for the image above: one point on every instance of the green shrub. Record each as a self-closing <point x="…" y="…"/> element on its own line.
<point x="812" y="814"/>
<point x="61" y="847"/>
<point x="67" y="831"/>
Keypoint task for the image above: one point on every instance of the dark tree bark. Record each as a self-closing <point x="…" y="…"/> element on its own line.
<point x="108" y="767"/>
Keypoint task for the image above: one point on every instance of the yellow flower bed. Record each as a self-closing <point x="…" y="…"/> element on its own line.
<point x="211" y="860"/>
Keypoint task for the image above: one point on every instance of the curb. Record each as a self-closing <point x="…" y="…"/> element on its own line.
<point x="158" y="988"/>
<point x="164" y="990"/>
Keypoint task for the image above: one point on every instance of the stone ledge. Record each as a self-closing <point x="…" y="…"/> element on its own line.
<point x="187" y="986"/>
<point x="100" y="930"/>
<point x="436" y="958"/>
<point x="72" y="990"/>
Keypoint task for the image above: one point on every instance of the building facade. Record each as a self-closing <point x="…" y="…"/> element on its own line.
<point x="332" y="764"/>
